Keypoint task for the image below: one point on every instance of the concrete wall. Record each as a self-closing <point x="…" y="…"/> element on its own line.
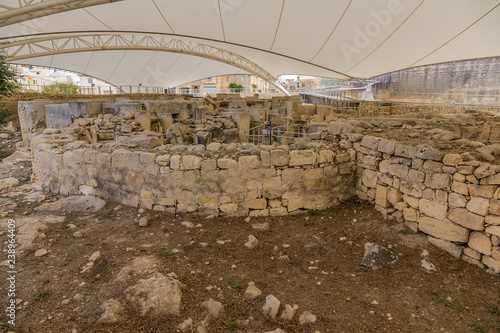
<point x="470" y="82"/>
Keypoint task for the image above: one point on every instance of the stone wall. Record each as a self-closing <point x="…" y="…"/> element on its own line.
<point x="234" y="179"/>
<point x="455" y="201"/>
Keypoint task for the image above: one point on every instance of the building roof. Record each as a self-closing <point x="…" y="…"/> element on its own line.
<point x="170" y="42"/>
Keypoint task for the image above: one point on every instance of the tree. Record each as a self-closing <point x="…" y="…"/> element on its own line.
<point x="235" y="87"/>
<point x="8" y="84"/>
<point x="61" y="88"/>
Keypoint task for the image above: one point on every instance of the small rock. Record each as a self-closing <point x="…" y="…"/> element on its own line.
<point x="72" y="226"/>
<point x="215" y="309"/>
<point x="252" y="242"/>
<point x="272" y="306"/>
<point x="112" y="309"/>
<point x="95" y="256"/>
<point x="248" y="219"/>
<point x="188" y="323"/>
<point x="78" y="234"/>
<point x="307" y="318"/>
<point x="41" y="253"/>
<point x="252" y="291"/>
<point x="187" y="224"/>
<point x="427" y="265"/>
<point x="376" y="256"/>
<point x="289" y="312"/>
<point x="278" y="330"/>
<point x="144" y="222"/>
<point x="261" y="226"/>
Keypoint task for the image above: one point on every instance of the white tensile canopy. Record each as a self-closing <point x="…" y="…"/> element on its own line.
<point x="170" y="42"/>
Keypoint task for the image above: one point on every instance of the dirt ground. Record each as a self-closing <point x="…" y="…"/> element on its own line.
<point x="312" y="260"/>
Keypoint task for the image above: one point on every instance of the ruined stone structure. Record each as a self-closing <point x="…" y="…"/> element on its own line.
<point x="197" y="163"/>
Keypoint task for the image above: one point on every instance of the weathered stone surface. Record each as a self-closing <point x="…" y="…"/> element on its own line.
<point x="112" y="309"/>
<point x="386" y="146"/>
<point x="491" y="180"/>
<point x="411" y="214"/>
<point x="494" y="207"/>
<point x="215" y="309"/>
<point x="433" y="209"/>
<point x="369" y="178"/>
<point x="457" y="200"/>
<point x="249" y="162"/>
<point x="307" y="318"/>
<point x="272" y="306"/>
<point x="492" y="219"/>
<point x="279" y="157"/>
<point x="480" y="242"/>
<point x="451" y="248"/>
<point x="370" y="142"/>
<point x="191" y="162"/>
<point x="252" y="242"/>
<point x="381" y="196"/>
<point x="376" y="256"/>
<point x="399" y="170"/>
<point x="438" y="180"/>
<point x="416" y="176"/>
<point x="482" y="190"/>
<point x="460" y="188"/>
<point x="484" y="170"/>
<point x="80" y="203"/>
<point x="289" y="312"/>
<point x="159" y="295"/>
<point x="405" y="151"/>
<point x="443" y="229"/>
<point x="472" y="253"/>
<point x="427" y="153"/>
<point x="493" y="264"/>
<point x="252" y="291"/>
<point x="495" y="230"/>
<point x="302" y="157"/>
<point x="478" y="205"/>
<point x="226" y="163"/>
<point x="452" y="159"/>
<point x="467" y="219"/>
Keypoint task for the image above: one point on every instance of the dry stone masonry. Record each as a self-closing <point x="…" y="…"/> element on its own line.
<point x="187" y="156"/>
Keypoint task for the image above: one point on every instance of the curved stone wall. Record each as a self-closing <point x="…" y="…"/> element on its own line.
<point x="235" y="179"/>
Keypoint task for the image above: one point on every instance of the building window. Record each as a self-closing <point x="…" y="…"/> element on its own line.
<point x="90" y="80"/>
<point x="242" y="79"/>
<point x="228" y="79"/>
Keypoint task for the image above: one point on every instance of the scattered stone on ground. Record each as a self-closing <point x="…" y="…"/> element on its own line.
<point x="79" y="203"/>
<point x="376" y="256"/>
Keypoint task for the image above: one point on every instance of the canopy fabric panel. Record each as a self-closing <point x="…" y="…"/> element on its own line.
<point x="339" y="39"/>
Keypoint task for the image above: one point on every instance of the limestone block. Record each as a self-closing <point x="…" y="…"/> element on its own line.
<point x="472" y="179"/>
<point x="191" y="162"/>
<point x="483" y="170"/>
<point x="384" y="166"/>
<point x="494" y="207"/>
<point x="492" y="219"/>
<point x="394" y="196"/>
<point x="207" y="165"/>
<point x="265" y="157"/>
<point x="411" y="188"/>
<point x="386" y="146"/>
<point x="482" y="190"/>
<point x="263" y="212"/>
<point x="381" y="196"/>
<point x="411" y="214"/>
<point x="369" y="178"/>
<point x="495" y="230"/>
<point x="491" y="180"/>
<point x="493" y="264"/>
<point x="457" y="200"/>
<point x="226" y="163"/>
<point x="451" y="248"/>
<point x="416" y="176"/>
<point x="460" y="188"/>
<point x="176" y="162"/>
<point x="370" y="142"/>
<point x="452" y="159"/>
<point x="459" y="177"/>
<point x="432" y="166"/>
<point x="271" y="187"/>
<point x="259" y="204"/>
<point x="411" y="201"/>
<point x="466" y="169"/>
<point x="249" y="162"/>
<point x="279" y="158"/>
<point x="302" y="157"/>
<point x="295" y="204"/>
<point x="443" y="229"/>
<point x="472" y="253"/>
<point x="467" y="219"/>
<point x="478" y="205"/>
<point x="433" y="208"/>
<point x="427" y="153"/>
<point x="399" y="170"/>
<point x="405" y="151"/>
<point x="480" y="242"/>
<point x="281" y="211"/>
<point x="438" y="180"/>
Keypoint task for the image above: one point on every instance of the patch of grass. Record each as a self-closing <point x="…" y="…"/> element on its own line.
<point x="164" y="229"/>
<point x="41" y="295"/>
<point x="476" y="328"/>
<point x="165" y="254"/>
<point x="232" y="324"/>
<point x="142" y="250"/>
<point x="239" y="286"/>
<point x="110" y="214"/>
<point x="310" y="224"/>
<point x="231" y="305"/>
<point x="493" y="309"/>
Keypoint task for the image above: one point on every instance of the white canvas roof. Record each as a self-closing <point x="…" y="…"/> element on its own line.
<point x="170" y="42"/>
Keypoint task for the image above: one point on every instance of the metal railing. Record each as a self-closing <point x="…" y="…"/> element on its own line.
<point x="90" y="90"/>
<point x="265" y="134"/>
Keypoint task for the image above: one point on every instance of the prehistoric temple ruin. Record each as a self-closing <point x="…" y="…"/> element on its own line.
<point x="232" y="156"/>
